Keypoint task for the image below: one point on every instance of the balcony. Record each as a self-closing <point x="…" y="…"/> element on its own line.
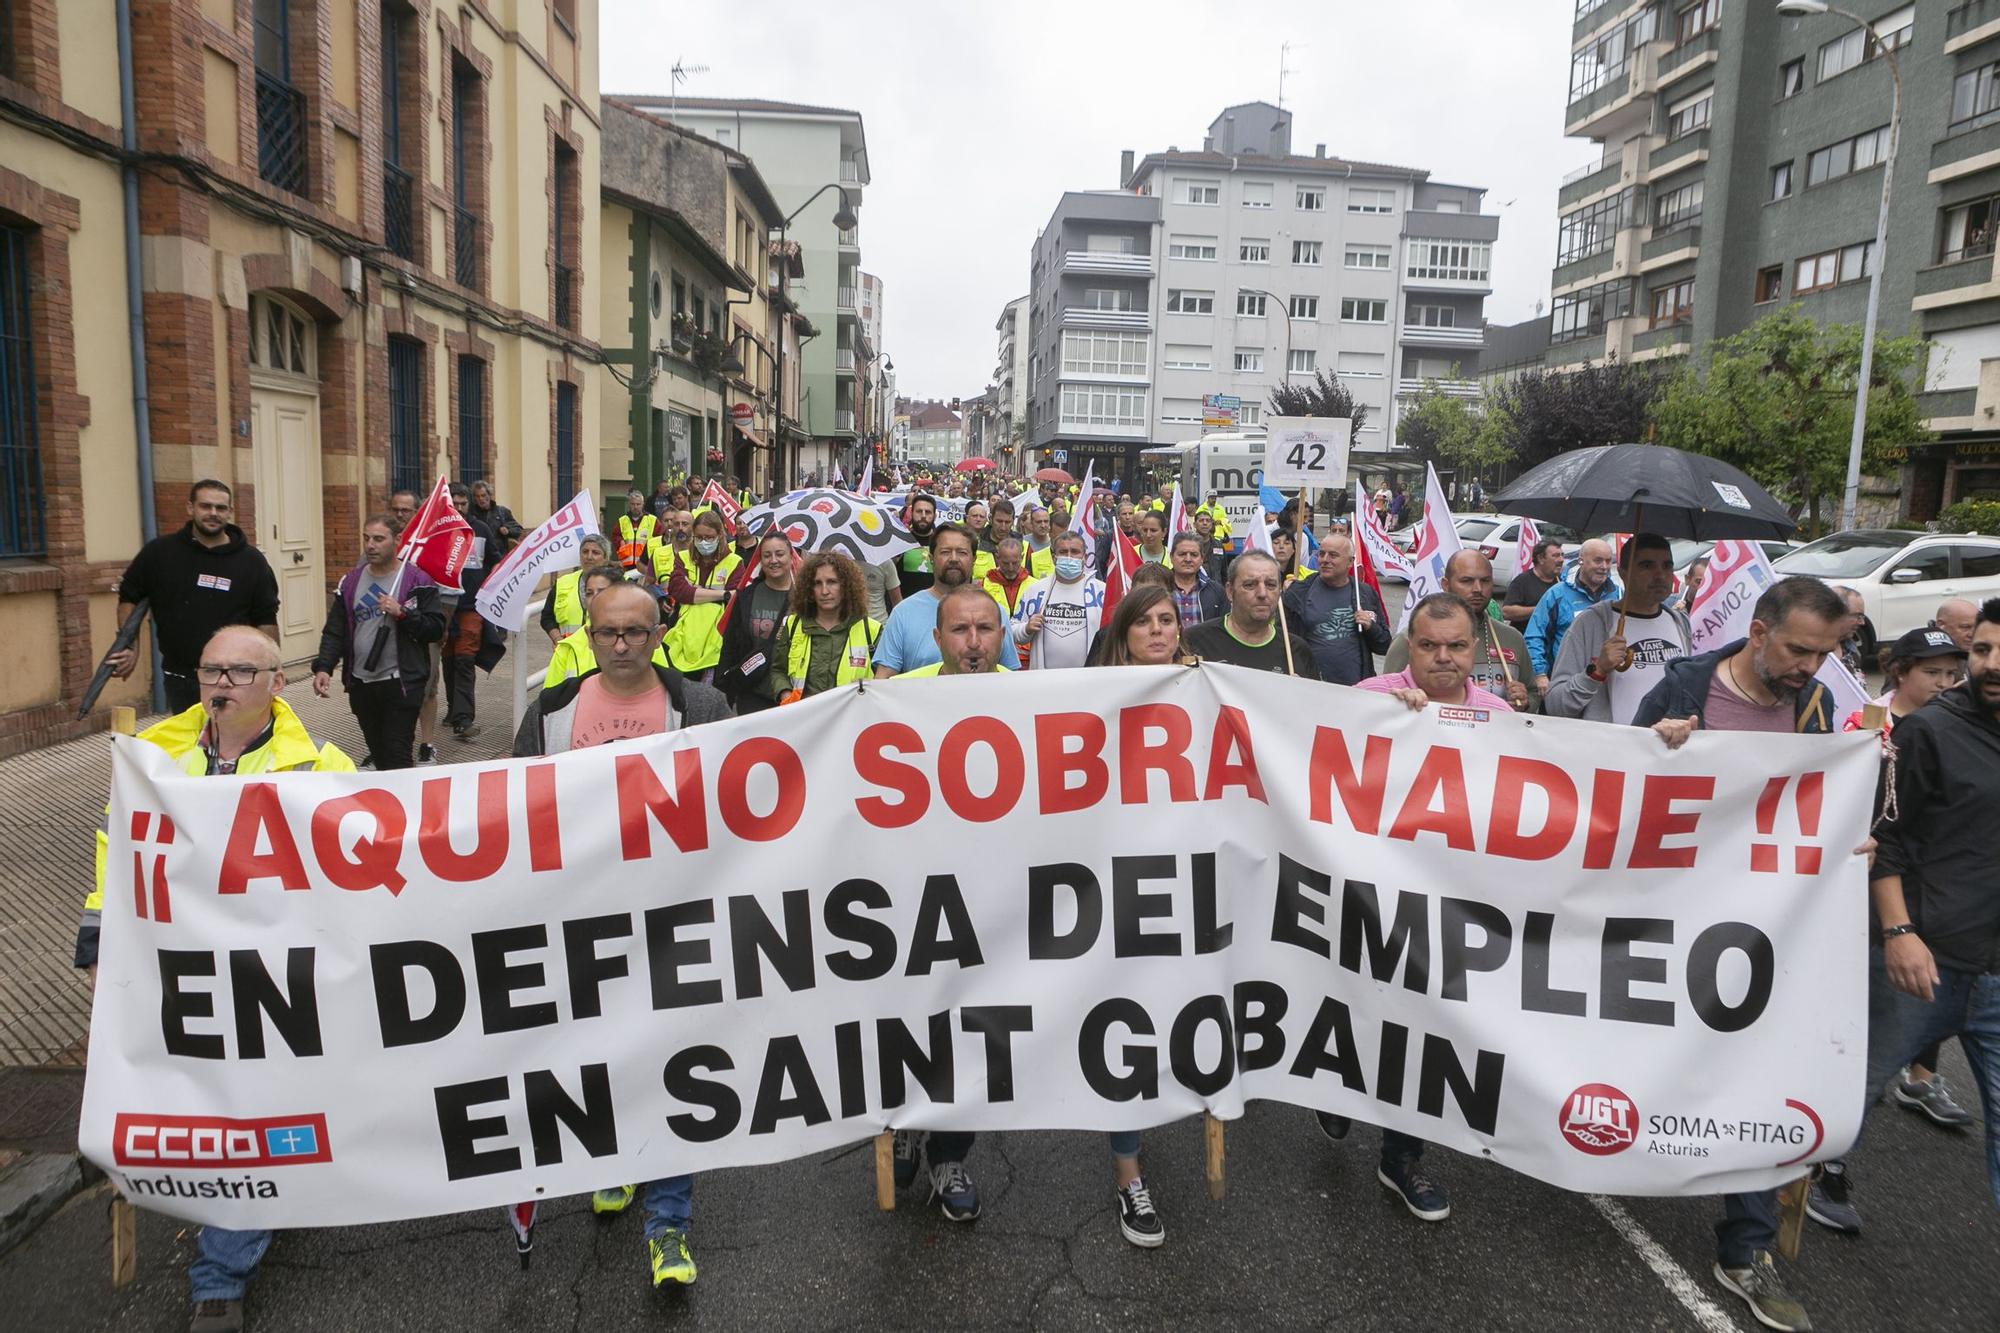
<point x="843" y="360"/>
<point x="1971" y="22"/>
<point x="843" y="421"/>
<point x="1688" y="57"/>
<point x="1684" y="151"/>
<point x="281" y="133"/>
<point x="1676" y="241"/>
<point x="1107" y="261"/>
<point x="850" y="171"/>
<point x="1974" y="148"/>
<point x="847" y="299"/>
<point x="1427" y="336"/>
<point x="465" y="243"/>
<point x="1621" y="101"/>
<point x="398" y="220"/>
<point x="1946" y="404"/>
<point x="1467" y="389"/>
<point x="1585" y="269"/>
<point x="1667" y="340"/>
<point x="849" y="238"/>
<point x="1083" y="317"/>
<point x="1590" y="179"/>
<point x="1956" y="282"/>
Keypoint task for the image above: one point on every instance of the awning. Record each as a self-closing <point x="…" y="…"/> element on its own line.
<point x="749" y="433"/>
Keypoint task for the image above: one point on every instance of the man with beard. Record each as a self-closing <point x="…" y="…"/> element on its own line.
<point x="909" y="640"/>
<point x="1616" y="652"/>
<point x="913" y="567"/>
<point x="1765" y="683"/>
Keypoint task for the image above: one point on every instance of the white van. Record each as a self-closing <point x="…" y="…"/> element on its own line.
<point x="1227" y="464"/>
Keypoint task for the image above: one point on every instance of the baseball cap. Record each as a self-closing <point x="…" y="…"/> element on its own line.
<point x="1927" y="642"/>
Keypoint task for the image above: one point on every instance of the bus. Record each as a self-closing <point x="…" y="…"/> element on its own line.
<point x="1226" y="464"/>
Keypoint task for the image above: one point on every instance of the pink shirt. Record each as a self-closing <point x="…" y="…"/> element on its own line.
<point x="1475" y="696"/>
<point x="603" y="717"/>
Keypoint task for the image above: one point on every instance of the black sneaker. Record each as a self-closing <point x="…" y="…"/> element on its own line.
<point x="427" y="753"/>
<point x="1424" y="1197"/>
<point x="1828" y="1201"/>
<point x="467" y="731"/>
<point x="216" y="1316"/>
<point x="1137" y="1218"/>
<point x="1758" y="1283"/>
<point x="909" y="1144"/>
<point x="1335" y="1127"/>
<point x="954" y="1193"/>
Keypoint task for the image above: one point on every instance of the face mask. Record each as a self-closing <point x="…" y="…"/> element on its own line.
<point x="705" y="545"/>
<point x="1069" y="567"/>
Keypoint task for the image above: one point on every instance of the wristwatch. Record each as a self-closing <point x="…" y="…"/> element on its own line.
<point x="1891" y="932"/>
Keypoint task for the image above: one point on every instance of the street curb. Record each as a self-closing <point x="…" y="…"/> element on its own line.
<point x="32" y="1188"/>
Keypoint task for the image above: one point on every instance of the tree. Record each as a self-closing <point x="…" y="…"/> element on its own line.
<point x="1440" y="428"/>
<point x="1324" y="397"/>
<point x="1777" y="400"/>
<point x="1541" y="413"/>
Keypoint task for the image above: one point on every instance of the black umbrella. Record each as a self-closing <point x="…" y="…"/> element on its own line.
<point x="1647" y="488"/>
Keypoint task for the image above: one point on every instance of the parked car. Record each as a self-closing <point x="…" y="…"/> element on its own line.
<point x="1901" y="576"/>
<point x="1687" y="551"/>
<point x="1497" y="535"/>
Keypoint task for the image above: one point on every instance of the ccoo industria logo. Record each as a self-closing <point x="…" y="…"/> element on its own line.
<point x="205" y="1142"/>
<point x="1600" y="1120"/>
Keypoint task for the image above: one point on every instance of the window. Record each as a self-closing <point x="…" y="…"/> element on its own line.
<point x="406" y="387"/>
<point x="1977" y="562"/>
<point x="1250" y="304"/>
<point x="1696" y="19"/>
<point x="1183" y="356"/>
<point x="1583" y="314"/>
<point x="20" y="426"/>
<point x="1183" y="410"/>
<point x="1673" y="305"/>
<point x="1432" y="317"/>
<point x="1190" y="303"/>
<point x="1249" y="414"/>
<point x="281" y="339"/>
<point x="1302" y="361"/>
<point x="1791" y="78"/>
<point x="563" y="201"/>
<point x="1677" y="208"/>
<point x="1257" y="194"/>
<point x="400" y="215"/>
<point x="468" y="134"/>
<point x="1191" y="247"/>
<point x="1367" y="256"/>
<point x="1931" y="563"/>
<point x="1249" y="362"/>
<point x="1088" y="353"/>
<point x="1201" y="192"/>
<point x="1849" y="155"/>
<point x="1371" y="201"/>
<point x="1591" y="230"/>
<point x="1356" y="311"/>
<point x="1305" y="252"/>
<point x="281" y="108"/>
<point x="1684" y="118"/>
<point x="1362" y="365"/>
<point x="1815" y="272"/>
<point x="1857" y="262"/>
<point x="1110" y="243"/>
<point x="1606" y="59"/>
<point x="471" y="419"/>
<point x="1304" y="307"/>
<point x="566" y="442"/>
<point x="1853" y="48"/>
<point x="1781" y="181"/>
<point x="1253" y="250"/>
<point x="1100" y="405"/>
<point x="1094" y="298"/>
<point x="1450" y="261"/>
<point x="1311" y="198"/>
<point x="1968" y="230"/>
<point x="1770" y="284"/>
<point x="1975" y="96"/>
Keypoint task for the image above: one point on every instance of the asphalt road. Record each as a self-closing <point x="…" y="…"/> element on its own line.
<point x="1305" y="1238"/>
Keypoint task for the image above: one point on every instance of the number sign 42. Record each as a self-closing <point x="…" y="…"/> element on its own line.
<point x="1307" y="451"/>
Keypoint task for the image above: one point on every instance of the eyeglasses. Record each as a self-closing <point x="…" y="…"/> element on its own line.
<point x="635" y="636"/>
<point x="235" y="675"/>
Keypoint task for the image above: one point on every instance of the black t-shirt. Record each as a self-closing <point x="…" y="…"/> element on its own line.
<point x="195" y="590"/>
<point x="1212" y="640"/>
<point x="1526" y="589"/>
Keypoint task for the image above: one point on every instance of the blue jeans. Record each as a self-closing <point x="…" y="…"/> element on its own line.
<point x="667" y="1204"/>
<point x="947" y="1146"/>
<point x="228" y="1261"/>
<point x="1965" y="1005"/>
<point x="1124" y="1142"/>
<point x="1749" y="1224"/>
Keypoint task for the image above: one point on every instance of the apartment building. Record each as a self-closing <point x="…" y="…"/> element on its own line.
<point x="1276" y="265"/>
<point x="934" y="433"/>
<point x="1010" y="372"/>
<point x="366" y="256"/>
<point x="1741" y="171"/>
<point x="815" y="160"/>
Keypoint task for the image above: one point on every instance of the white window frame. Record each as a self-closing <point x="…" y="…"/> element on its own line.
<point x="1302" y="307"/>
<point x="1270" y="193"/>
<point x="1379" y="360"/>
<point x="1201" y="193"/>
<point x="1449" y="261"/>
<point x="1188" y="414"/>
<point x="1175" y="357"/>
<point x="1253" y="250"/>
<point x="1363" y="310"/>
<point x="1249" y="361"/>
<point x="1306" y="254"/>
<point x="1192" y="248"/>
<point x="1105" y="352"/>
<point x="1251" y="305"/>
<point x="1371" y="254"/>
<point x="1690" y="114"/>
<point x="1187" y="301"/>
<point x="1249" y="414"/>
<point x="1114" y="405"/>
<point x="1309" y="198"/>
<point x="1432" y="317"/>
<point x="1303" y="361"/>
<point x="1370" y="200"/>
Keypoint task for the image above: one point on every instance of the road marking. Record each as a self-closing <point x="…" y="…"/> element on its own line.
<point x="1677" y="1280"/>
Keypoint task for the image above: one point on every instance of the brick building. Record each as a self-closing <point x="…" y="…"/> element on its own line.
<point x="367" y="256"/>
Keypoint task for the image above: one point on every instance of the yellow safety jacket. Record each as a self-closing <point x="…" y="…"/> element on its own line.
<point x="568" y="601"/>
<point x="289" y="749"/>
<point x="934" y="669"/>
<point x="634" y="538"/>
<point x="1219" y="514"/>
<point x="573" y="656"/>
<point x="694" y="644"/>
<point x="857" y="661"/>
<point x="1042" y="563"/>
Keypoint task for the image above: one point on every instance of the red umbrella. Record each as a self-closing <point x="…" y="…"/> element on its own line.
<point x="1056" y="475"/>
<point x="976" y="465"/>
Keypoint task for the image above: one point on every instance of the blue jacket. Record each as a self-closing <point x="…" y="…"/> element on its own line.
<point x="1683" y="692"/>
<point x="1553" y="613"/>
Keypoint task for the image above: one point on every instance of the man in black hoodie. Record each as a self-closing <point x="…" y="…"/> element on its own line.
<point x="198" y="579"/>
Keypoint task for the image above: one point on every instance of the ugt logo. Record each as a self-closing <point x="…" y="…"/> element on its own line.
<point x="157" y="830"/>
<point x="1600" y="1120"/>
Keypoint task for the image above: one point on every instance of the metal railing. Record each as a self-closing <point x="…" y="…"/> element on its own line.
<point x="398" y="210"/>
<point x="843" y="358"/>
<point x="849" y="236"/>
<point x="850" y="170"/>
<point x="465" y="241"/>
<point x="846" y="298"/>
<point x="281" y="133"/>
<point x="1978" y="248"/>
<point x="1587" y="169"/>
<point x="843" y="420"/>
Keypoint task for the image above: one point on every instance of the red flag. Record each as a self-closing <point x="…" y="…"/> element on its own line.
<point x="438" y="541"/>
<point x="1125" y="563"/>
<point x="714" y="494"/>
<point x="1364" y="568"/>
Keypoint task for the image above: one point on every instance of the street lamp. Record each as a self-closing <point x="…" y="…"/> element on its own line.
<point x="1802" y="9"/>
<point x="1286" y="372"/>
<point x="843" y="218"/>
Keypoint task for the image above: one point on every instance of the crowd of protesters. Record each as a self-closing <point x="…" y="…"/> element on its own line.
<point x="674" y="620"/>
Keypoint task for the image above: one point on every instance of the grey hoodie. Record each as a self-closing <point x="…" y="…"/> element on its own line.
<point x="1572" y="693"/>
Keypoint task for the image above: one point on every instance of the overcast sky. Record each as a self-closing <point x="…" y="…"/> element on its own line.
<point x="980" y="115"/>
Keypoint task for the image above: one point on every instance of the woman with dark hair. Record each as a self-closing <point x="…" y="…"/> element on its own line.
<point x="828" y="640"/>
<point x="1285" y="548"/>
<point x="757" y="607"/>
<point x="1144" y="629"/>
<point x="1146" y="578"/>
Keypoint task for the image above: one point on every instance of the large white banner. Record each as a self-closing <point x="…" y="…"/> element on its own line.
<point x="1738" y="573"/>
<point x="1100" y="900"/>
<point x="551" y="548"/>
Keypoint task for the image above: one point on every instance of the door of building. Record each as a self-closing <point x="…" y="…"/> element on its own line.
<point x="284" y="436"/>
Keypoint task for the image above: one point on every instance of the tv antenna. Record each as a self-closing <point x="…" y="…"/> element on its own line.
<point x="676" y="76"/>
<point x="1284" y="51"/>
